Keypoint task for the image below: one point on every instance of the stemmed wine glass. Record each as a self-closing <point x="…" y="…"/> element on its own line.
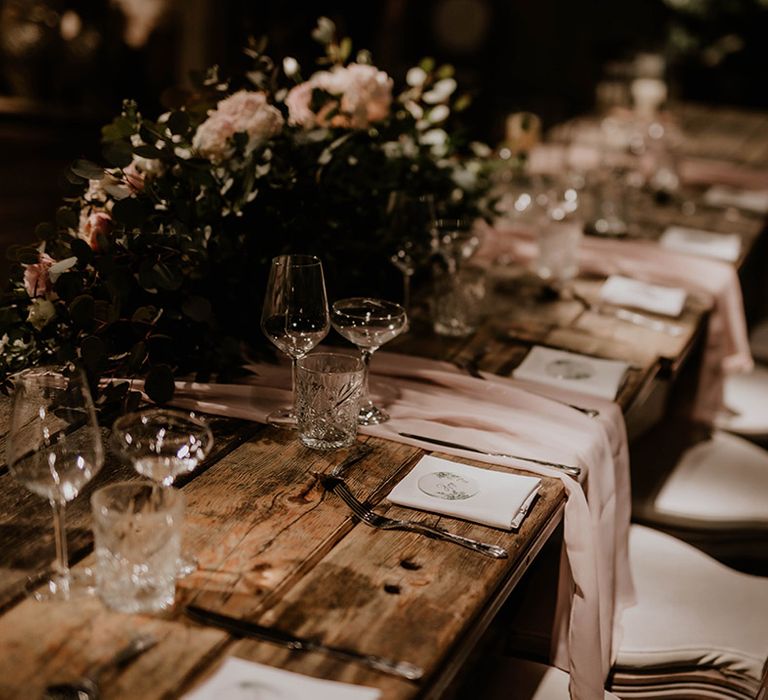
<point x="162" y="444"/>
<point x="295" y="315"/>
<point x="54" y="449"/>
<point x="410" y="222"/>
<point x="368" y="323"/>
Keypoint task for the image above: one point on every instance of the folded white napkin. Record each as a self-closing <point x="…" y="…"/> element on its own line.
<point x="570" y="370"/>
<point x="484" y="496"/>
<point x="724" y="246"/>
<point x="238" y="679"/>
<point x="750" y="200"/>
<point x="625" y="291"/>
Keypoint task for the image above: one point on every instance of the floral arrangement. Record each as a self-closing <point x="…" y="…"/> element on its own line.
<point x="155" y="267"/>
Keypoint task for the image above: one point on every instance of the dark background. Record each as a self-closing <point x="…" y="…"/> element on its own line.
<point x="65" y="65"/>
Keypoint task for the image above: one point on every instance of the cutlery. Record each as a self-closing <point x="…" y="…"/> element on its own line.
<point x="470" y="366"/>
<point x="633" y="317"/>
<point x="86" y="687"/>
<point x="246" y="628"/>
<point x="362" y="450"/>
<point x="568" y="469"/>
<point x="381" y="522"/>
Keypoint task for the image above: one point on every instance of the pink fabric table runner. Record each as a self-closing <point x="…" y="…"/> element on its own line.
<point x="497" y="414"/>
<point x="727" y="343"/>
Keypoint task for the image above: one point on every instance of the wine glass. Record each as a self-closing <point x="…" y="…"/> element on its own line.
<point x="368" y="323"/>
<point x="410" y="222"/>
<point x="161" y="444"/>
<point x="295" y="315"/>
<point x="54" y="449"/>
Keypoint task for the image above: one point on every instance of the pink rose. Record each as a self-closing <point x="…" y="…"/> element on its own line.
<point x="242" y="112"/>
<point x="37" y="282"/>
<point x="360" y="95"/>
<point x="92" y="225"/>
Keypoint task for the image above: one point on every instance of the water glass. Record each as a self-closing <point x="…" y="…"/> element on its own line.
<point x="329" y="389"/>
<point x="558" y="258"/>
<point x="457" y="301"/>
<point x="137" y="540"/>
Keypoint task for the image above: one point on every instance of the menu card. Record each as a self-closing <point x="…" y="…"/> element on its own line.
<point x="238" y="679"/>
<point x="485" y="496"/>
<point x="570" y="370"/>
<point x="625" y="291"/>
<point x="750" y="200"/>
<point x="724" y="246"/>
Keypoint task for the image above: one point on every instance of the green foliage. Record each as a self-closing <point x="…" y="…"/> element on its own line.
<point x="157" y="268"/>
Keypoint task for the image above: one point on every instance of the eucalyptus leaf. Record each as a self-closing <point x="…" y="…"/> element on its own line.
<point x="66" y="217"/>
<point x="147" y="151"/>
<point x="118" y="153"/>
<point x="87" y="169"/>
<point x="93" y="352"/>
<point x="197" y="308"/>
<point x="167" y="276"/>
<point x="81" y="310"/>
<point x="131" y="212"/>
<point x="178" y="122"/>
<point x="159" y="384"/>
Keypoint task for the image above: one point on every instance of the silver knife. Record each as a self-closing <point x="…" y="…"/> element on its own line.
<point x="568" y="469"/>
<point x="246" y="628"/>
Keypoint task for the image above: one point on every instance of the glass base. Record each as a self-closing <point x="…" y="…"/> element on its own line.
<point x="80" y="583"/>
<point x="186" y="565"/>
<point x="372" y="415"/>
<point x="282" y="418"/>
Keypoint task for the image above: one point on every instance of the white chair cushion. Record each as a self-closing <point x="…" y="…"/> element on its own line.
<point x="692" y="613"/>
<point x="527" y="680"/>
<point x="722" y="479"/>
<point x="746" y="404"/>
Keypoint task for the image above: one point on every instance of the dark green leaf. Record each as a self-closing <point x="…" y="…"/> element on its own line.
<point x="82" y="250"/>
<point x="197" y="308"/>
<point x="159" y="384"/>
<point x="44" y="230"/>
<point x="132" y="401"/>
<point x="73" y="179"/>
<point x="67" y="217"/>
<point x="105" y="312"/>
<point x="81" y="310"/>
<point x="94" y="353"/>
<point x="138" y="355"/>
<point x="87" y="169"/>
<point x="130" y="212"/>
<point x="147" y="151"/>
<point x="147" y="275"/>
<point x="178" y="122"/>
<point x="118" y="153"/>
<point x="144" y="315"/>
<point x="167" y="276"/>
<point x="120" y="128"/>
<point x="68" y="286"/>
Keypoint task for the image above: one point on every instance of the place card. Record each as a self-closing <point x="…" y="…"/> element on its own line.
<point x="749" y="200"/>
<point x="572" y="371"/>
<point x="497" y="499"/>
<point x="238" y="679"/>
<point x="625" y="291"/>
<point x="724" y="246"/>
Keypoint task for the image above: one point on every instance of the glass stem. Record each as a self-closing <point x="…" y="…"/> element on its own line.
<point x="294" y="365"/>
<point x="60" y="534"/>
<point x="407" y="292"/>
<point x="366" y="355"/>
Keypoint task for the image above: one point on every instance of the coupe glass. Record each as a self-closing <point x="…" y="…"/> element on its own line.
<point x="368" y="323"/>
<point x="54" y="449"/>
<point x="161" y="444"/>
<point x="295" y="315"/>
<point x="411" y="218"/>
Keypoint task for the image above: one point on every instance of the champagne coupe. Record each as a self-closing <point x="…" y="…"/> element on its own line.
<point x="54" y="449"/>
<point x="162" y="444"/>
<point x="368" y="323"/>
<point x="410" y="221"/>
<point x="294" y="316"/>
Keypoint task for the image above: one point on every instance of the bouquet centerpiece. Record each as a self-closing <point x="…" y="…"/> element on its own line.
<point x="154" y="268"/>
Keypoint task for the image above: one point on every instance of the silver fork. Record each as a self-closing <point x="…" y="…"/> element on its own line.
<point x="381" y="522"/>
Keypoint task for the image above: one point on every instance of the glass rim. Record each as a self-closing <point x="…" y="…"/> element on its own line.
<point x="297" y="260"/>
<point x="135" y="419"/>
<point x="358" y="363"/>
<point x="388" y="309"/>
<point x="176" y="496"/>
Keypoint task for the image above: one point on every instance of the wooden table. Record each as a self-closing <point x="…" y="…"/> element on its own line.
<point x="274" y="547"/>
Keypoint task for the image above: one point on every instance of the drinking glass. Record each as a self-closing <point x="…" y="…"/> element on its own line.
<point x="54" y="449"/>
<point x="161" y="444"/>
<point x="411" y="218"/>
<point x="294" y="316"/>
<point x="368" y="323"/>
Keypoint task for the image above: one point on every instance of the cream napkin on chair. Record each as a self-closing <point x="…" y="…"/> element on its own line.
<point x="494" y="498"/>
<point x="722" y="246"/>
